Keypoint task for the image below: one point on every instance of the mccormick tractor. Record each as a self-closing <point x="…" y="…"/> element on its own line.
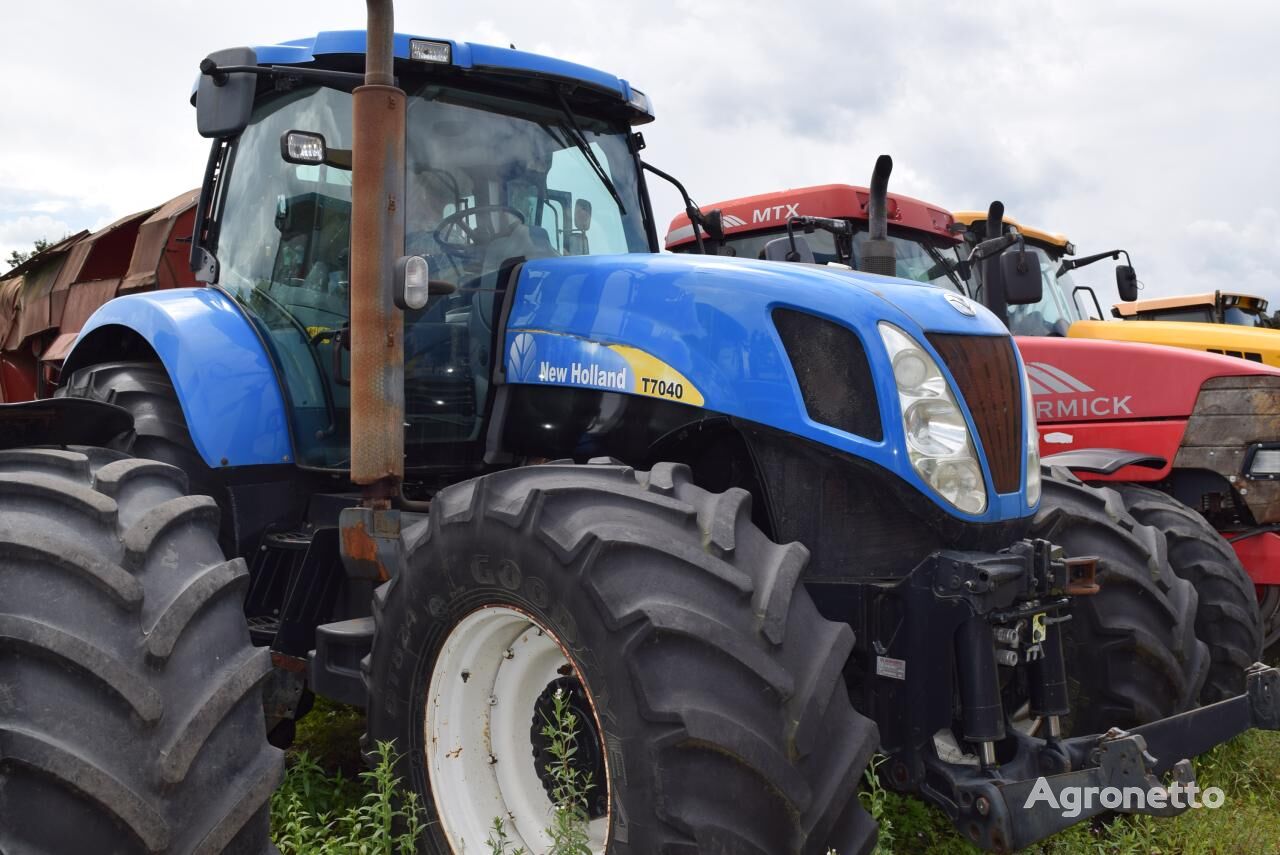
<point x="464" y="449"/>
<point x="1203" y="441"/>
<point x="1210" y="437"/>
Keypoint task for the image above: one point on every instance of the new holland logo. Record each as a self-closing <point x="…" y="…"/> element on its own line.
<point x="1069" y="396"/>
<point x="523" y="356"/>
<point x="960" y="304"/>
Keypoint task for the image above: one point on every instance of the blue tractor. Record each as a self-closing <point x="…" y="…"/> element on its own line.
<point x="478" y="452"/>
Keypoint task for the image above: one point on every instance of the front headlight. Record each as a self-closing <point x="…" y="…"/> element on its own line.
<point x="1033" y="444"/>
<point x="939" y="444"/>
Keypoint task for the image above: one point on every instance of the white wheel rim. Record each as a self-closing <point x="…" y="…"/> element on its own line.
<point x="479" y="753"/>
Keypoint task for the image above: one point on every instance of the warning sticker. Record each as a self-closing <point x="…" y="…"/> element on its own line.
<point x="894" y="669"/>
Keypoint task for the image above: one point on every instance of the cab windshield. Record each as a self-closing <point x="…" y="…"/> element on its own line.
<point x="490" y="182"/>
<point x="1244" y="317"/>
<point x="1057" y="309"/>
<point x="918" y="257"/>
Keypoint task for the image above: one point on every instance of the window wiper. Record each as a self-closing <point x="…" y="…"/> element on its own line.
<point x="575" y="133"/>
<point x="947" y="266"/>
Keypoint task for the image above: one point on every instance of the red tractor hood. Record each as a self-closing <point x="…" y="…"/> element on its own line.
<point x="1075" y="380"/>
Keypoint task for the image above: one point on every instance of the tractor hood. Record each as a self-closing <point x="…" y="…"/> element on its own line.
<point x="1253" y="344"/>
<point x="702" y="331"/>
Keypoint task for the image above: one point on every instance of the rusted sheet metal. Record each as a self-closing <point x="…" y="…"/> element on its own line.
<point x="102" y="255"/>
<point x="377" y="240"/>
<point x="45" y="255"/>
<point x="34" y="315"/>
<point x="82" y="301"/>
<point x="160" y="252"/>
<point x="1230" y="415"/>
<point x="371" y="544"/>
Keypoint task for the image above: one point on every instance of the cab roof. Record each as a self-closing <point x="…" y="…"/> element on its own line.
<point x="1208" y="298"/>
<point x="462" y="55"/>
<point x="771" y="210"/>
<point x="1055" y="239"/>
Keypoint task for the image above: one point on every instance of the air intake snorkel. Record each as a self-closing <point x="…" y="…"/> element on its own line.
<point x="878" y="254"/>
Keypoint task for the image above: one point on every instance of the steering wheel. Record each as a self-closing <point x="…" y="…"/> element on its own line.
<point x="458" y="218"/>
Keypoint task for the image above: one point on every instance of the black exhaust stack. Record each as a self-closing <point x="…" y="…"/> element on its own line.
<point x="878" y="255"/>
<point x="992" y="283"/>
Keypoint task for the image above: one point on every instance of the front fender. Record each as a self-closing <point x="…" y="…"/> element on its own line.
<point x="224" y="378"/>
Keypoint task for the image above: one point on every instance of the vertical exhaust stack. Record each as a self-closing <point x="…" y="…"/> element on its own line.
<point x="878" y="255"/>
<point x="992" y="283"/>
<point x="377" y="241"/>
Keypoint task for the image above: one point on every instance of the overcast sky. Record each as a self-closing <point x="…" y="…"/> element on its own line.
<point x="1149" y="126"/>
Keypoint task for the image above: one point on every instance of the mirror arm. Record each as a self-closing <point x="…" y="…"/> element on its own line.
<point x="1073" y="263"/>
<point x="692" y="211"/>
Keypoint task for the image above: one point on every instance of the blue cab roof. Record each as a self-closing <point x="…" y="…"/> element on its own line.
<point x="464" y="55"/>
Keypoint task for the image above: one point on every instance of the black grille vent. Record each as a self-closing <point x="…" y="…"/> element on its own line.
<point x="832" y="368"/>
<point x="987" y="373"/>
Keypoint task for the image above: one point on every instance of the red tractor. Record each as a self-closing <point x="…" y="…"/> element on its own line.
<point x="1206" y="438"/>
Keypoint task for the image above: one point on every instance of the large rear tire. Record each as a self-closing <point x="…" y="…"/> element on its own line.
<point x="1227" y="617"/>
<point x="1131" y="649"/>
<point x="130" y="701"/>
<point x="709" y="687"/>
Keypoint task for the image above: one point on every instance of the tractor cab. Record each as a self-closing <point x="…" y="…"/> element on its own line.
<point x="508" y="156"/>
<point x="1211" y="307"/>
<point x="1057" y="309"/>
<point x="833" y="219"/>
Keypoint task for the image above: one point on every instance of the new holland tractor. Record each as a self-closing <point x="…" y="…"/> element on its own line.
<point x="460" y="445"/>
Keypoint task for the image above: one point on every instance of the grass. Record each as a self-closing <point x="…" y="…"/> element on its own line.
<point x="1246" y="768"/>
<point x="328" y="806"/>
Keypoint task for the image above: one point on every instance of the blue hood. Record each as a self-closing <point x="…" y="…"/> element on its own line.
<point x="703" y="325"/>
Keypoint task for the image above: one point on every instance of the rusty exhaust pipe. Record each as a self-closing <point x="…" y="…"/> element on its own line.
<point x="377" y="241"/>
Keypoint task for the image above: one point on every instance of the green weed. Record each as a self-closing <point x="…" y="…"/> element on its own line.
<point x="317" y="814"/>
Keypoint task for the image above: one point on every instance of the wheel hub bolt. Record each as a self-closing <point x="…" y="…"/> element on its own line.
<point x="983" y="806"/>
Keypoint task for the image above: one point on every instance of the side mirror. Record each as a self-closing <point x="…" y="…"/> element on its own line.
<point x="713" y="220"/>
<point x="1127" y="282"/>
<point x="582" y="215"/>
<point x="794" y="248"/>
<point x="1020" y="273"/>
<point x="224" y="99"/>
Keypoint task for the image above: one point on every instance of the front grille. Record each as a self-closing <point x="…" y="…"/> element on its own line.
<point x="986" y="371"/>
<point x="831" y="367"/>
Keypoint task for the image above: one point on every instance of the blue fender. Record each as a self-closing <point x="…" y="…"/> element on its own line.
<point x="698" y="330"/>
<point x="225" y="380"/>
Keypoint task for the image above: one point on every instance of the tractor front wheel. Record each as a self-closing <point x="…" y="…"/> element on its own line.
<point x="653" y="624"/>
<point x="1131" y="649"/>
<point x="1227" y="616"/>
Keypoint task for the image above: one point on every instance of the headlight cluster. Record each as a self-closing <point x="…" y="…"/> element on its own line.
<point x="939" y="444"/>
<point x="1033" y="444"/>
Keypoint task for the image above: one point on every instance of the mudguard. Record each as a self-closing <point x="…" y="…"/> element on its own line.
<point x="224" y="377"/>
<point x="698" y="330"/>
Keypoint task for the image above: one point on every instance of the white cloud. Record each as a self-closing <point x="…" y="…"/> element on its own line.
<point x="1119" y="124"/>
